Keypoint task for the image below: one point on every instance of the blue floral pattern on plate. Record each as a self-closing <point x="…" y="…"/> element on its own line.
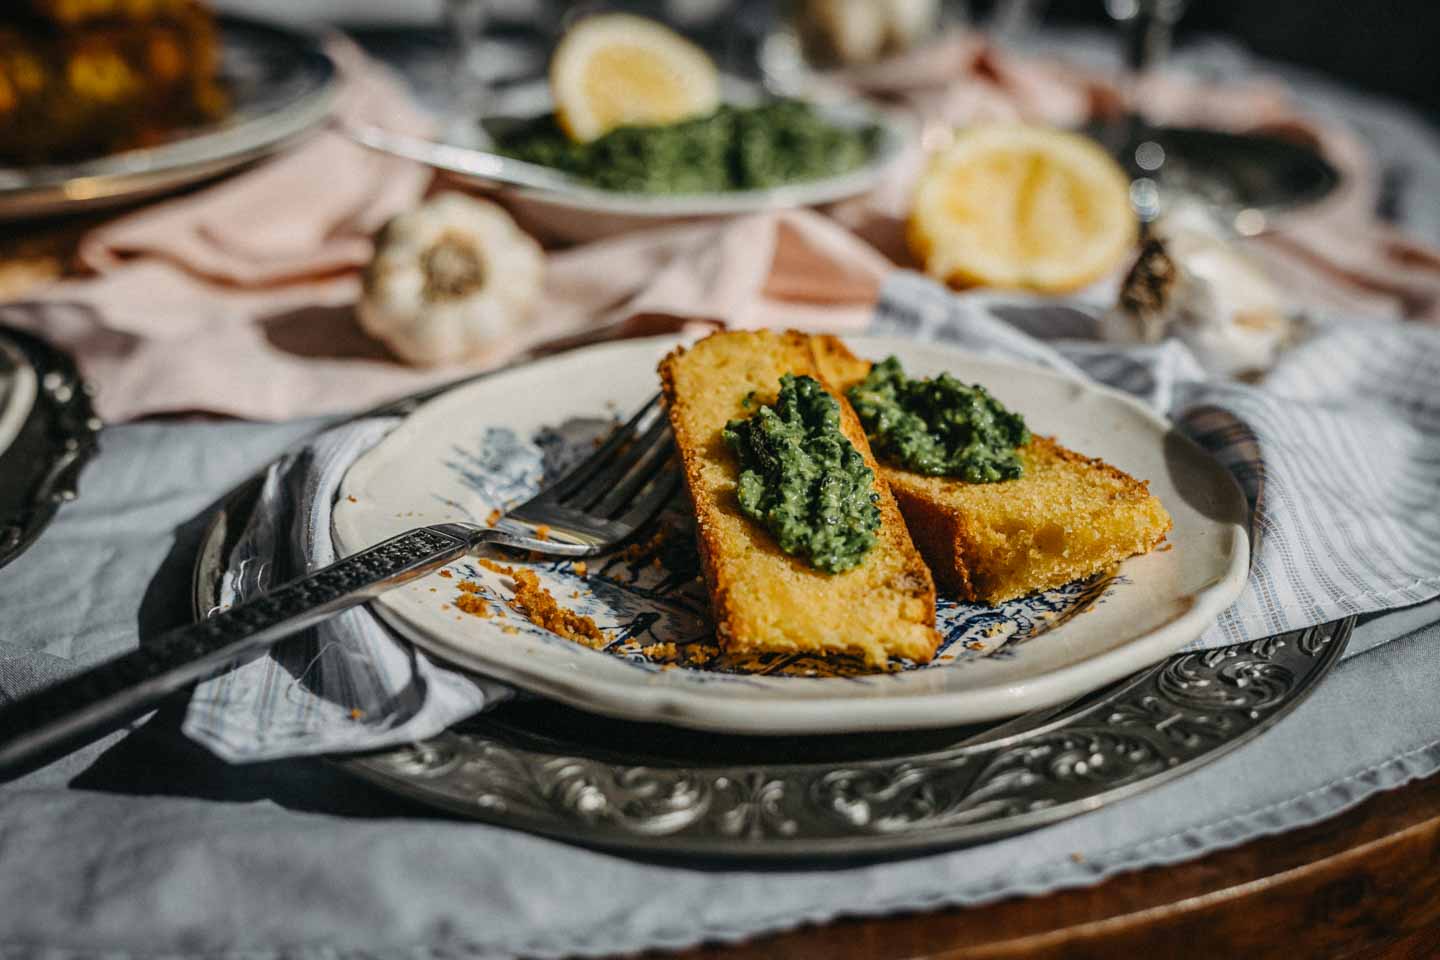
<point x="650" y="599"/>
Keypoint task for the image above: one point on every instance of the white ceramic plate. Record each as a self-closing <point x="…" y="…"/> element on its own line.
<point x="484" y="446"/>
<point x="582" y="214"/>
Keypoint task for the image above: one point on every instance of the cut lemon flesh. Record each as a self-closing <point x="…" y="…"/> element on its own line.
<point x="615" y="70"/>
<point x="1021" y="206"/>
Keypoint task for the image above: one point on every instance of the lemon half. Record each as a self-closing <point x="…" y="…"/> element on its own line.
<point x="1009" y="205"/>
<point x="614" y="70"/>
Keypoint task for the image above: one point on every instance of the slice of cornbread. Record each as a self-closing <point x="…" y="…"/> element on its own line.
<point x="1067" y="516"/>
<point x="762" y="599"/>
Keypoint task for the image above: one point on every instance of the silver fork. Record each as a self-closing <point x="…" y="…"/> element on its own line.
<point x="595" y="506"/>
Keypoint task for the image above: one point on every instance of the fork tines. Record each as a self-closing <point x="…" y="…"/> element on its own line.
<point x="621" y="480"/>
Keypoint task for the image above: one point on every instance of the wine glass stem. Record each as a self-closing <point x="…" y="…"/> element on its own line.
<point x="469" y="77"/>
<point x="1147" y="39"/>
<point x="1147" y="27"/>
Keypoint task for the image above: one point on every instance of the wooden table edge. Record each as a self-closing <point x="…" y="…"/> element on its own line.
<point x="1362" y="881"/>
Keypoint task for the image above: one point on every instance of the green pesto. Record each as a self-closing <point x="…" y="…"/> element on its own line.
<point x="803" y="480"/>
<point x="734" y="148"/>
<point x="939" y="427"/>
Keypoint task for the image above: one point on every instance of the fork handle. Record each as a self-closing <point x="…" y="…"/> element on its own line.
<point x="183" y="656"/>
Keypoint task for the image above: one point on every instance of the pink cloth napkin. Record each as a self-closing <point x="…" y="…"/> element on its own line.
<point x="156" y="338"/>
<point x="239" y="298"/>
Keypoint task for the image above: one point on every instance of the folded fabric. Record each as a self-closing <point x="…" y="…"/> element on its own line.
<point x="1338" y="452"/>
<point x="155" y="337"/>
<point x="347" y="684"/>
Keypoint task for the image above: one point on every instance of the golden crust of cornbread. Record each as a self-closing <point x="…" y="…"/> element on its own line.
<point x="1067" y="516"/>
<point x="762" y="599"/>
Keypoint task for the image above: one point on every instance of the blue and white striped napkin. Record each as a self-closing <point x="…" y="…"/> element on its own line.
<point x="348" y="684"/>
<point x="1337" y="449"/>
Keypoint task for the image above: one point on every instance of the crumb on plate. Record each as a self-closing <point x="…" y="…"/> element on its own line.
<point x="494" y="567"/>
<point x="539" y="605"/>
<point x="638" y="550"/>
<point x="473" y="603"/>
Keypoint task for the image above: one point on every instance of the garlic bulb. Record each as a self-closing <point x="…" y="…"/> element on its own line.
<point x="449" y="279"/>
<point x="911" y="22"/>
<point x="1191" y="283"/>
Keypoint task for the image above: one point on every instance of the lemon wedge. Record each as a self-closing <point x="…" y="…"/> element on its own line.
<point x="615" y="69"/>
<point x="1009" y="205"/>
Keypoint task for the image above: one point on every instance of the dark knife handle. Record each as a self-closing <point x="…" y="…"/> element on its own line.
<point x="175" y="660"/>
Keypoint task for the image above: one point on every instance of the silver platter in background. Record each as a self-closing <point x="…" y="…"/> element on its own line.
<point x="1247" y="181"/>
<point x="18" y="385"/>
<point x="48" y="433"/>
<point x="1253" y="171"/>
<point x="281" y="85"/>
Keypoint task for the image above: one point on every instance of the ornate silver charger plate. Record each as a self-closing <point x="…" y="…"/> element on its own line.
<point x="546" y="769"/>
<point x="48" y="433"/>
<point x="657" y="790"/>
<point x="281" y="85"/>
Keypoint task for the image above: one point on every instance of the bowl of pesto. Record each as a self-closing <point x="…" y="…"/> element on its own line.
<point x="751" y="154"/>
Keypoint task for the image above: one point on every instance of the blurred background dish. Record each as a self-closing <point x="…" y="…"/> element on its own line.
<point x="81" y="80"/>
<point x="577" y="213"/>
<point x="268" y="86"/>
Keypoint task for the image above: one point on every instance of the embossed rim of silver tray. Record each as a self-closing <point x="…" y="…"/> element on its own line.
<point x="1036" y="770"/>
<point x="892" y="794"/>
<point x="284" y="86"/>
<point x="40" y="468"/>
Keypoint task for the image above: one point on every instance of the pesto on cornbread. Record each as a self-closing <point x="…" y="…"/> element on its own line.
<point x="1063" y="517"/>
<point x="802" y="479"/>
<point x="763" y="599"/>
